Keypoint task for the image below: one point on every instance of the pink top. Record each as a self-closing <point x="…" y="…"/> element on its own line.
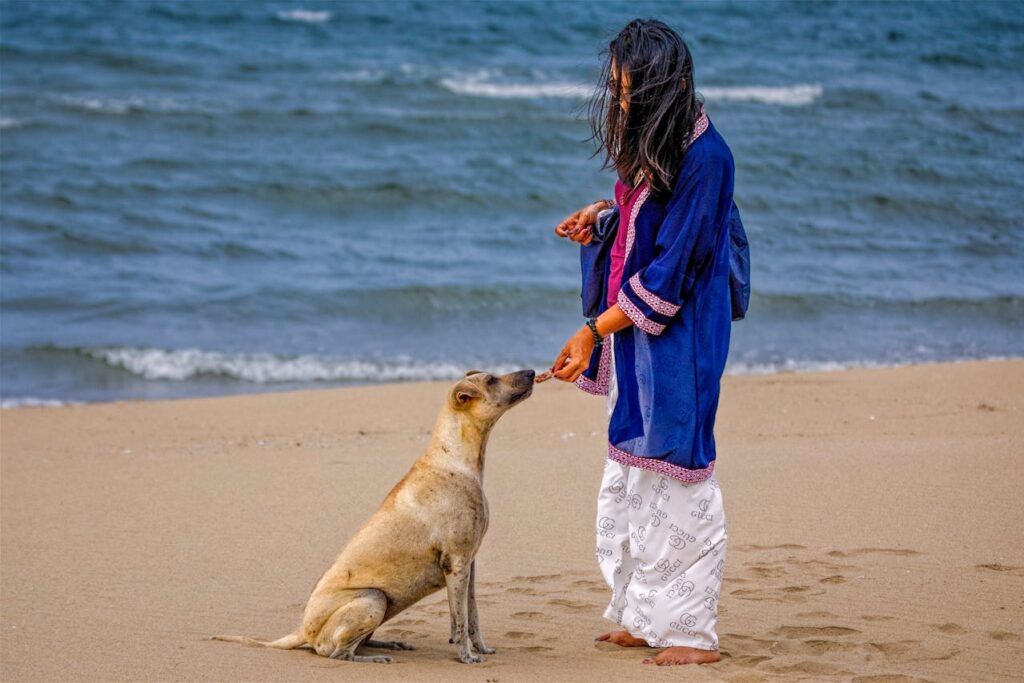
<point x="618" y="252"/>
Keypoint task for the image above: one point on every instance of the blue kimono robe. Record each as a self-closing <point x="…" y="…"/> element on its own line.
<point x="676" y="290"/>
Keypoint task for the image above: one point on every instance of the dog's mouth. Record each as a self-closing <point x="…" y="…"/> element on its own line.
<point x="524" y="379"/>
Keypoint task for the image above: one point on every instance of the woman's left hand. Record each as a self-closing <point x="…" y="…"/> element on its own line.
<point x="575" y="356"/>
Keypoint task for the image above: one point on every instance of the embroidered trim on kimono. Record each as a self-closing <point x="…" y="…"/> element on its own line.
<point x="634" y="286"/>
<point x="661" y="466"/>
<point x="604" y="368"/>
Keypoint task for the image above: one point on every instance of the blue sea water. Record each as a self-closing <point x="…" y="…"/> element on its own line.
<point x="201" y="198"/>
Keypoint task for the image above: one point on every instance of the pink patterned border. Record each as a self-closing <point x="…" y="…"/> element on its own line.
<point x="700" y="125"/>
<point x="660" y="466"/>
<point x="652" y="300"/>
<point x="631" y="229"/>
<point x="637" y="316"/>
<point x="600" y="386"/>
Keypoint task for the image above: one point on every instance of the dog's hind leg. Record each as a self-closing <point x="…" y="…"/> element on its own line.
<point x="474" y="619"/>
<point x="387" y="644"/>
<point x="350" y="624"/>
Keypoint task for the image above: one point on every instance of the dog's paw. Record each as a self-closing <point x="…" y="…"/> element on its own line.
<point x="484" y="650"/>
<point x="383" y="659"/>
<point x="470" y="658"/>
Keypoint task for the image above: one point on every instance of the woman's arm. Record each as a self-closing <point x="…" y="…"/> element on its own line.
<point x="575" y="356"/>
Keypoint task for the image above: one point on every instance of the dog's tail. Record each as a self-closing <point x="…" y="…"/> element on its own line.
<point x="289" y="642"/>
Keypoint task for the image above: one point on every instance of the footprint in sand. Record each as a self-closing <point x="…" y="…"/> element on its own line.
<point x="900" y="552"/>
<point x="812" y="668"/>
<point x="898" y="648"/>
<point x="950" y="627"/>
<point x="819" y="614"/>
<point x="749" y="661"/>
<point x="784" y="546"/>
<point x="764" y="572"/>
<point x="533" y="648"/>
<point x="530" y="615"/>
<point x="1009" y="570"/>
<point x="876" y="617"/>
<point x="824" y="647"/>
<point x="520" y="635"/>
<point x="799" y="632"/>
<point x="1003" y="635"/>
<point x="537" y="578"/>
<point x="571" y="605"/>
<point x="835" y="578"/>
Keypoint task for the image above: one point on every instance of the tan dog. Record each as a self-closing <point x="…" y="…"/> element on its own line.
<point x="424" y="537"/>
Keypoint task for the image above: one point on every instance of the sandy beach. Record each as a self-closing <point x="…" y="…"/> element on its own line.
<point x="875" y="521"/>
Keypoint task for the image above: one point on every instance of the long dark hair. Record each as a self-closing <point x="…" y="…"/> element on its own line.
<point x="663" y="107"/>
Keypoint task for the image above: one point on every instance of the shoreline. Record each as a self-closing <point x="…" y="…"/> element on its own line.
<point x="874" y="530"/>
<point x="269" y="388"/>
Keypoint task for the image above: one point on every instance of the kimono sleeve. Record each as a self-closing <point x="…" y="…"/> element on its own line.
<point x="653" y="295"/>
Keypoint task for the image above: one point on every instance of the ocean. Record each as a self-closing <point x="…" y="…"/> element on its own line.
<point x="224" y="197"/>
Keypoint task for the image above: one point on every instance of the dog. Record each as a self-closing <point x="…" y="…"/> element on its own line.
<point x="424" y="537"/>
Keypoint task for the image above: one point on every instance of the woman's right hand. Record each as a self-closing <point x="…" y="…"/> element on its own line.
<point x="578" y="226"/>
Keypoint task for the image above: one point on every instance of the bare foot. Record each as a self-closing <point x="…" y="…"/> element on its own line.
<point x="684" y="655"/>
<point x="622" y="639"/>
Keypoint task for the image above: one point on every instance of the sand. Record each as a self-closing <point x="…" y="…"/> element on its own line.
<point x="875" y="518"/>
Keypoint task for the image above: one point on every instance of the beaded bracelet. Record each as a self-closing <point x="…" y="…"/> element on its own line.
<point x="592" y="324"/>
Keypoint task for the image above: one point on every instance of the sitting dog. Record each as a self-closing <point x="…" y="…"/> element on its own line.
<point x="424" y="536"/>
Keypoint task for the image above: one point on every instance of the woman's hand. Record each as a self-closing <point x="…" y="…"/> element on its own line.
<point x="575" y="356"/>
<point x="577" y="227"/>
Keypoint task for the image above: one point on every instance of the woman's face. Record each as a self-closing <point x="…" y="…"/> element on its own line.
<point x="620" y="85"/>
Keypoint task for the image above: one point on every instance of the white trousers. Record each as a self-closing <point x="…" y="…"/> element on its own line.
<point x="661" y="548"/>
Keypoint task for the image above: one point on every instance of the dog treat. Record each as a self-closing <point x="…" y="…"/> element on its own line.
<point x="542" y="377"/>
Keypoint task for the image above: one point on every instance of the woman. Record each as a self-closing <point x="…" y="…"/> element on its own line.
<point x="659" y="291"/>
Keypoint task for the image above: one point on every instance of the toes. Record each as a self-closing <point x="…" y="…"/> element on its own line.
<point x="487" y="650"/>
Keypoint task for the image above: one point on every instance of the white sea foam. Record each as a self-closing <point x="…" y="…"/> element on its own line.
<point x="7" y="122"/>
<point x="123" y="105"/>
<point x="478" y="87"/>
<point x="305" y="16"/>
<point x="31" y="401"/>
<point x="793" y="365"/>
<point x="790" y="95"/>
<point x="265" y="368"/>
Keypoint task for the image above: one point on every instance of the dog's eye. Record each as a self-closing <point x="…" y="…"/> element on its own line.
<point x="492" y="379"/>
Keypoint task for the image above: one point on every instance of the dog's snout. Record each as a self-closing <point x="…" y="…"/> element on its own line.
<point x="528" y="375"/>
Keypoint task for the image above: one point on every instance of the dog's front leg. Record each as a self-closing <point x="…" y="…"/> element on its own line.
<point x="474" y="619"/>
<point x="456" y="577"/>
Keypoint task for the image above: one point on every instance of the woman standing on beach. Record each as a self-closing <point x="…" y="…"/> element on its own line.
<point x="658" y="289"/>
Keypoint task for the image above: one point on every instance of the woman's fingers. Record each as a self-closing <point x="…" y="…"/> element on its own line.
<point x="560" y="361"/>
<point x="570" y="370"/>
<point x="583" y="236"/>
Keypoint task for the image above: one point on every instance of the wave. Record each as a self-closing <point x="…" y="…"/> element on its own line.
<point x="794" y="365"/>
<point x="481" y="88"/>
<point x="267" y="368"/>
<point x="7" y="122"/>
<point x="305" y="16"/>
<point x="121" y="106"/>
<point x="33" y="402"/>
<point x="791" y="95"/>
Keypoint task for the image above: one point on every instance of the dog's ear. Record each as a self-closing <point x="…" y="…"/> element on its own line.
<point x="464" y="392"/>
<point x="472" y="372"/>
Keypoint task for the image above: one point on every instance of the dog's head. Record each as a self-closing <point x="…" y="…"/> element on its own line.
<point x="486" y="397"/>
